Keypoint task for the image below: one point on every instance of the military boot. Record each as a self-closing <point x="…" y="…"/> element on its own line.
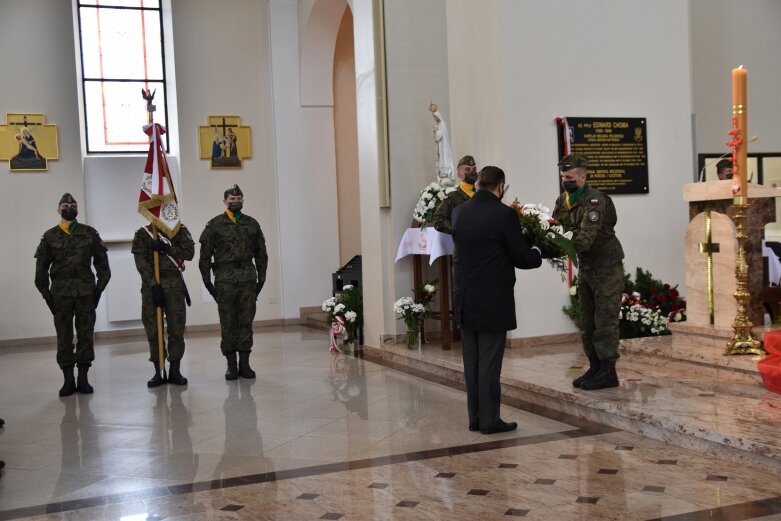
<point x="245" y="371"/>
<point x="233" y="368"/>
<point x="593" y="361"/>
<point x="157" y="380"/>
<point x="82" y="384"/>
<point x="604" y="378"/>
<point x="174" y="376"/>
<point x="69" y="387"/>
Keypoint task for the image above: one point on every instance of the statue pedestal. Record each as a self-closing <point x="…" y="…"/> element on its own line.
<point x="716" y="196"/>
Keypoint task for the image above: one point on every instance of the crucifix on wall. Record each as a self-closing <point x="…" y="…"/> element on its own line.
<point x="28" y="142"/>
<point x="225" y="142"/>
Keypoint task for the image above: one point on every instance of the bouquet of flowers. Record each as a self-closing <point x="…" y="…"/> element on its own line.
<point x="412" y="312"/>
<point x="638" y="320"/>
<point x="655" y="293"/>
<point x="426" y="295"/>
<point x="429" y="199"/>
<point x="345" y="315"/>
<point x="647" y="306"/>
<point x="543" y="231"/>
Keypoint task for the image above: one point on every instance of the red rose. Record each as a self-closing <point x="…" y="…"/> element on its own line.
<point x="673" y="293"/>
<point x="666" y="287"/>
<point x="661" y="298"/>
<point x="652" y="290"/>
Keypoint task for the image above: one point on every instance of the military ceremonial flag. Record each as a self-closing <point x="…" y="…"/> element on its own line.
<point x="157" y="201"/>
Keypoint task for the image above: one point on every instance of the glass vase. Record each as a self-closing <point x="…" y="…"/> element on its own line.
<point x="347" y="345"/>
<point x="413" y="338"/>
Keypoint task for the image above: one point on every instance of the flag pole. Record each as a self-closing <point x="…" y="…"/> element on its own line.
<point x="150" y="109"/>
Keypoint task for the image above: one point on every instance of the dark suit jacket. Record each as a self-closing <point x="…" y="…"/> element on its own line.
<point x="488" y="247"/>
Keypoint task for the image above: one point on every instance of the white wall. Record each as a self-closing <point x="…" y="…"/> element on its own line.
<point x="724" y="35"/>
<point x="417" y="71"/>
<point x="223" y="64"/>
<point x="306" y="170"/>
<point x="501" y="70"/>
<point x="42" y="79"/>
<point x="211" y="80"/>
<point x="558" y="57"/>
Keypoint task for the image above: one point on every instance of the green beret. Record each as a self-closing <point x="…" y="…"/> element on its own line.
<point x="466" y="160"/>
<point x="571" y="161"/>
<point x="67" y="199"/>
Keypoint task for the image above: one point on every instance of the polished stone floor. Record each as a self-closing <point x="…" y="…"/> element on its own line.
<point x="317" y="436"/>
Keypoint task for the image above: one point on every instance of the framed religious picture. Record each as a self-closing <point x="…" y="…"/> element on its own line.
<point x="28" y="142"/>
<point x="225" y="142"/>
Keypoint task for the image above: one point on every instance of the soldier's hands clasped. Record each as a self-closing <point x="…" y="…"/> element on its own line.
<point x="158" y="297"/>
<point x="258" y="287"/>
<point x="161" y="246"/>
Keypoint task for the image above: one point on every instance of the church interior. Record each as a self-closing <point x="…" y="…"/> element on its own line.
<point x="321" y="110"/>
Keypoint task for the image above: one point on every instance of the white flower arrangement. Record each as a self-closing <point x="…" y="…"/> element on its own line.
<point x="344" y="314"/>
<point x="542" y="230"/>
<point x="428" y="201"/>
<point x="412" y="312"/>
<point x="644" y="319"/>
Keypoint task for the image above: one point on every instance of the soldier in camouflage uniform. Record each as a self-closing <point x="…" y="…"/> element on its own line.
<point x="233" y="239"/>
<point x="467" y="175"/>
<point x="170" y="295"/>
<point x="591" y="216"/>
<point x="64" y="255"/>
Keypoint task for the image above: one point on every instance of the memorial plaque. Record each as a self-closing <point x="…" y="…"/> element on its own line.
<point x="617" y="152"/>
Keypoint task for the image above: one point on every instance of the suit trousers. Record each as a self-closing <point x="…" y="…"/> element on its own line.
<point x="483" y="352"/>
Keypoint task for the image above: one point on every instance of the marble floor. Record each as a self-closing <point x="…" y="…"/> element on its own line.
<point x="671" y="388"/>
<point x="317" y="436"/>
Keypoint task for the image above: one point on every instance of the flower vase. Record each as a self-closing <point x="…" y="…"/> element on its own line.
<point x="347" y="345"/>
<point x="413" y="338"/>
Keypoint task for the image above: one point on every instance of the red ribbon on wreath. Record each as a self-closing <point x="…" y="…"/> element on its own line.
<point x="338" y="329"/>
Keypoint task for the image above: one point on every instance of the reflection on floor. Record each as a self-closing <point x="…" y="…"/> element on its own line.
<point x="326" y="437"/>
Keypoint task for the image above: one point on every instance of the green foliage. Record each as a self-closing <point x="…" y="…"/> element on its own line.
<point x="647" y="307"/>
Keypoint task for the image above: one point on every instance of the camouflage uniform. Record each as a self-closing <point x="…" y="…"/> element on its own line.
<point x="592" y="218"/>
<point x="66" y="259"/>
<point x="183" y="248"/>
<point x="444" y="211"/>
<point x="233" y="246"/>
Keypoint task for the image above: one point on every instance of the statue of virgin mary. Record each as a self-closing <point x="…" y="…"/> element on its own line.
<point x="443" y="155"/>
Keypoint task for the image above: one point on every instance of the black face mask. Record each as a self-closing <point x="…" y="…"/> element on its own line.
<point x="570" y="186"/>
<point x="235" y="207"/>
<point x="69" y="214"/>
<point x="470" y="177"/>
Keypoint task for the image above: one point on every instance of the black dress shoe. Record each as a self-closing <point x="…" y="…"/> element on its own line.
<point x="502" y="426"/>
<point x="474" y="427"/>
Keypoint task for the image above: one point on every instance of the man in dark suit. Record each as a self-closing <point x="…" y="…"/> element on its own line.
<point x="488" y="247"/>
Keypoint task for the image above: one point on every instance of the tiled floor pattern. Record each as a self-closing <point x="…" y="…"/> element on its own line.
<point x="317" y="437"/>
<point x="729" y="409"/>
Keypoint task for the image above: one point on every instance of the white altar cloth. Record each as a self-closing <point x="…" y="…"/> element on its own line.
<point x="425" y="241"/>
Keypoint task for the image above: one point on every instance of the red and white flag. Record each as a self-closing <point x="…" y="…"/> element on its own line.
<point x="157" y="201"/>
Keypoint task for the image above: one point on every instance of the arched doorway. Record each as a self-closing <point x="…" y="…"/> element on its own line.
<point x="346" y="141"/>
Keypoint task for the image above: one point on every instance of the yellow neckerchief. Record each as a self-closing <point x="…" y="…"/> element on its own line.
<point x="572" y="198"/>
<point x="231" y="216"/>
<point x="468" y="189"/>
<point x="68" y="228"/>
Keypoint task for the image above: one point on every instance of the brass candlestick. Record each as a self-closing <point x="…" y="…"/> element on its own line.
<point x="743" y="340"/>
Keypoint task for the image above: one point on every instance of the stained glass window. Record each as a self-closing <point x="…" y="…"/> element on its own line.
<point x="122" y="53"/>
